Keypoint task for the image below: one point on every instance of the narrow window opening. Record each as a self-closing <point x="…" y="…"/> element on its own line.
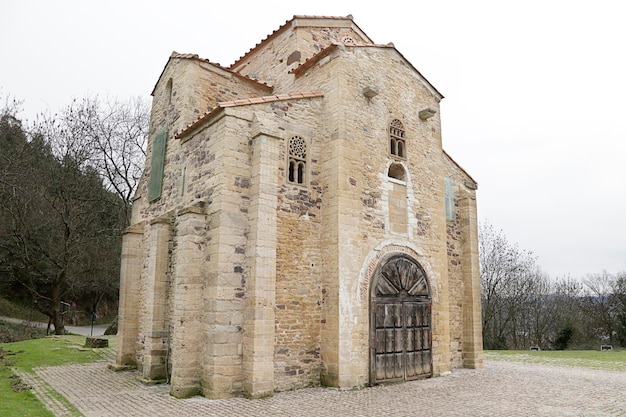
<point x="182" y="181"/>
<point x="301" y="173"/>
<point x="292" y="170"/>
<point x="168" y="91"/>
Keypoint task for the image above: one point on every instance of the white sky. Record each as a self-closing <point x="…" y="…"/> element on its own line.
<point x="534" y="106"/>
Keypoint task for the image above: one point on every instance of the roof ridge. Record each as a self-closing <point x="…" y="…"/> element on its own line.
<point x="284" y="26"/>
<point x="196" y="57"/>
<point x="459" y="166"/>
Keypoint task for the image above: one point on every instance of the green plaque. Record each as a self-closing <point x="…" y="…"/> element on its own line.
<point x="156" y="165"/>
<point x="449" y="195"/>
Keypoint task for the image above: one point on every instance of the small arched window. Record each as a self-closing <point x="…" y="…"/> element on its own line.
<point x="297" y="161"/>
<point x="397" y="171"/>
<point x="397" y="145"/>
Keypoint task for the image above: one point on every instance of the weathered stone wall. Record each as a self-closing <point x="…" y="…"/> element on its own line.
<point x="226" y="264"/>
<point x="298" y="303"/>
<point x="195" y="87"/>
<point x="298" y="280"/>
<point x="130" y="305"/>
<point x="462" y="247"/>
<point x="143" y="296"/>
<point x="288" y="49"/>
<point x="358" y="191"/>
<point x="455" y="276"/>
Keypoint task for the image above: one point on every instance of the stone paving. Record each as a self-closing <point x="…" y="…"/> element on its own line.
<point x="501" y="389"/>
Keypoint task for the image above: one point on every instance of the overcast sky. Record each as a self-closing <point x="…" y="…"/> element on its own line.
<point x="535" y="91"/>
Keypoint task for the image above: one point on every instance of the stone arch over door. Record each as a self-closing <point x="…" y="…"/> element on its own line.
<point x="400" y="321"/>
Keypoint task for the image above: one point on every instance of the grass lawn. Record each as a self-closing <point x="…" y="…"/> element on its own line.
<point x="610" y="360"/>
<point x="23" y="357"/>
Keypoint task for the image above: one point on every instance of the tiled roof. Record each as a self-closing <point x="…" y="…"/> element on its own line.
<point x="246" y="101"/>
<point x="300" y="69"/>
<point x="460" y="167"/>
<point x="177" y="55"/>
<point x="287" y="24"/>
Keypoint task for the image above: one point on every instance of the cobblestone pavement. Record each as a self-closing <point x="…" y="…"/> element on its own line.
<point x="501" y="389"/>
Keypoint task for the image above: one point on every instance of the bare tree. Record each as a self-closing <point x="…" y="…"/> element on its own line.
<point x="109" y="136"/>
<point x="602" y="305"/>
<point x="65" y="190"/>
<point x="522" y="306"/>
<point x="506" y="278"/>
<point x="536" y="312"/>
<point x="619" y="290"/>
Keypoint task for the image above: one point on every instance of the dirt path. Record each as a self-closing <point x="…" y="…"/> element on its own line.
<point x="98" y="329"/>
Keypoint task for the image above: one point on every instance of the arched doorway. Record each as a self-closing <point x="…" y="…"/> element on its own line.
<point x="400" y="322"/>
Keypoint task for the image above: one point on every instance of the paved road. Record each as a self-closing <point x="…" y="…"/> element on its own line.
<point x="502" y="389"/>
<point x="98" y="329"/>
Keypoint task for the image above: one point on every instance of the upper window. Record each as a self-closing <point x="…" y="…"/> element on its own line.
<point x="168" y="91"/>
<point x="297" y="160"/>
<point x="397" y="145"/>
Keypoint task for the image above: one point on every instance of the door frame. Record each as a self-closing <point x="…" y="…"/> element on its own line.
<point x="421" y="296"/>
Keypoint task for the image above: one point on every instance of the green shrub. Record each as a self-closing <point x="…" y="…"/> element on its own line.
<point x="112" y="329"/>
<point x="19" y="311"/>
<point x="12" y="332"/>
<point x="563" y="338"/>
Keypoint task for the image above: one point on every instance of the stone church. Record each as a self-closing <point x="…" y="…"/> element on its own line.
<point x="298" y="223"/>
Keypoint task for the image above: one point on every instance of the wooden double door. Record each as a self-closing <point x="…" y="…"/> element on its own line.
<point x="400" y="323"/>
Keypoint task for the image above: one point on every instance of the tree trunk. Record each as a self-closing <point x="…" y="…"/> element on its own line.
<point x="57" y="317"/>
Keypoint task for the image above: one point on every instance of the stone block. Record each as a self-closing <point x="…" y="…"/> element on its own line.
<point x="96" y="342"/>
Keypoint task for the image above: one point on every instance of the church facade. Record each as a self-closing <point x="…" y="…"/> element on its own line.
<point x="298" y="223"/>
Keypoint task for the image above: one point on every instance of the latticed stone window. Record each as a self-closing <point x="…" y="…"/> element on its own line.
<point x="347" y="39"/>
<point x="297" y="160"/>
<point x="397" y="145"/>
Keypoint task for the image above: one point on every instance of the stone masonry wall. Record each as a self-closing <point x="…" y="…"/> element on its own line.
<point x="361" y="149"/>
<point x="454" y="251"/>
<point x="226" y="262"/>
<point x="456" y="241"/>
<point x="289" y="49"/>
<point x="466" y="320"/>
<point x="298" y="282"/>
<point x="196" y="88"/>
